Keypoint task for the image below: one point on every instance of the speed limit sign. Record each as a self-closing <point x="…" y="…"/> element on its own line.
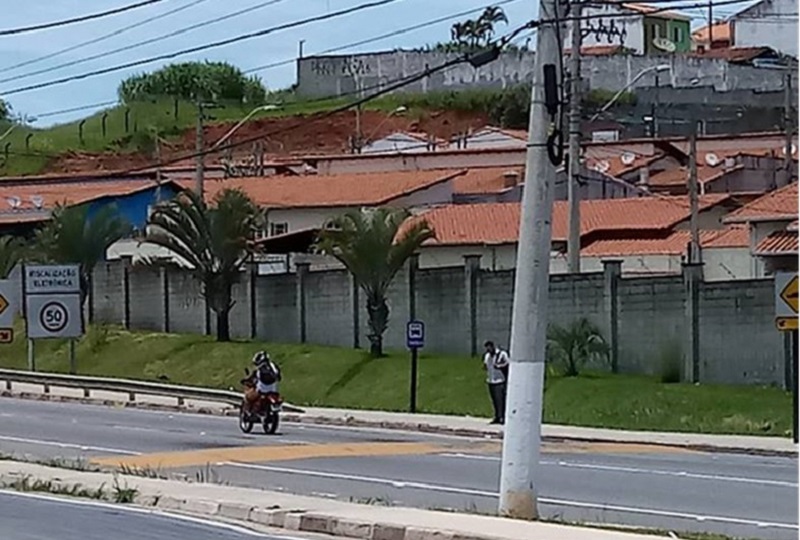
<point x="54" y="316"/>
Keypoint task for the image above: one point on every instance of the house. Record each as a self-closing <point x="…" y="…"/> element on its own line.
<point x="492" y="137"/>
<point x="711" y="37"/>
<point x="491" y="230"/>
<point x="639" y="28"/>
<point x="402" y="142"/>
<point x="771" y="220"/>
<point x="298" y="203"/>
<point x="768" y="23"/>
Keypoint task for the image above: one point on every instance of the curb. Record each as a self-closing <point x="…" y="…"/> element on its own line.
<point x="296" y="416"/>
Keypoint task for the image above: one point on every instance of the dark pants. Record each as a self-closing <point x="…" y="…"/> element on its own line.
<point x="497" y="391"/>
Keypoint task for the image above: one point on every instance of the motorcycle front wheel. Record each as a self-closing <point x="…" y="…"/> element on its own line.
<point x="271" y="421"/>
<point x="245" y="422"/>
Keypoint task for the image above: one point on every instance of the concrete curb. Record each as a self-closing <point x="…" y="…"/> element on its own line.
<point x="306" y="514"/>
<point x="300" y="417"/>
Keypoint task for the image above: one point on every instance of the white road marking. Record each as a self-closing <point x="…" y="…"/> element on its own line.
<point x="400" y="484"/>
<point x="57" y="444"/>
<point x="638" y="470"/>
<point x="148" y="511"/>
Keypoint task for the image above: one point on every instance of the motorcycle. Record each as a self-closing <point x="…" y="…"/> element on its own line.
<point x="266" y="410"/>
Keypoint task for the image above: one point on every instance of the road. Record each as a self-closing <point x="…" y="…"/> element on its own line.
<point x="736" y="495"/>
<point x="37" y="517"/>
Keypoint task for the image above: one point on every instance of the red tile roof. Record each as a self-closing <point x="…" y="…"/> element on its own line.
<point x="778" y="205"/>
<point x="720" y="31"/>
<point x="486" y="180"/>
<point x="498" y="223"/>
<point x="679" y="176"/>
<point x="340" y="190"/>
<point x="598" y="50"/>
<point x="734" y="54"/>
<point x="777" y="244"/>
<point x="674" y="244"/>
<point x="655" y="11"/>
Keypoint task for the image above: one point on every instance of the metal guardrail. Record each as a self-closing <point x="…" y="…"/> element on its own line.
<point x="123" y="386"/>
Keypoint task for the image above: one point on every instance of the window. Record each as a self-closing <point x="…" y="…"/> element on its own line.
<point x="276" y="229"/>
<point x="677" y="34"/>
<point x="656" y="31"/>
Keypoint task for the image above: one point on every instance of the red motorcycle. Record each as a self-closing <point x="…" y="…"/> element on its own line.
<point x="256" y="408"/>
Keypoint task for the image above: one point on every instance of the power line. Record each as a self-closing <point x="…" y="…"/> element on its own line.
<point x="382" y="36"/>
<point x="167" y="56"/>
<point x="76" y="109"/>
<point x="83" y="18"/>
<point x="136" y="45"/>
<point x="104" y="37"/>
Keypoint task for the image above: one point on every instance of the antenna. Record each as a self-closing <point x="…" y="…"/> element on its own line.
<point x="37" y="200"/>
<point x="603" y="166"/>
<point x="14" y="202"/>
<point x="712" y="159"/>
<point x="627" y="158"/>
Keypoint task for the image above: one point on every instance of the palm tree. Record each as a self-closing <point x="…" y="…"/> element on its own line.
<point x="76" y="235"/>
<point x="12" y="251"/>
<point x="214" y="240"/>
<point x="487" y="21"/>
<point x="374" y="245"/>
<point x="575" y="345"/>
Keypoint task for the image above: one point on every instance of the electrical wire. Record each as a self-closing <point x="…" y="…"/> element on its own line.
<point x="104" y="37"/>
<point x="138" y="44"/>
<point x="82" y="18"/>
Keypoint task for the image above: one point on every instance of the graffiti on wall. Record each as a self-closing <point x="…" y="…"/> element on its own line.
<point x="342" y="66"/>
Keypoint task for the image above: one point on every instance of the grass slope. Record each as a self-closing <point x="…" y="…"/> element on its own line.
<point x="336" y="377"/>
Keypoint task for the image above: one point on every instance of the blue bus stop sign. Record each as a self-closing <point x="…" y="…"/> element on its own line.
<point x="415" y="334"/>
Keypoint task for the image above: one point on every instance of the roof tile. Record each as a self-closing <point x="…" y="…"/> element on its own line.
<point x="778" y="243"/>
<point x="674" y="244"/>
<point x="778" y="205"/>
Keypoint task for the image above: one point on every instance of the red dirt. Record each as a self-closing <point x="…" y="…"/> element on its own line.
<point x="295" y="135"/>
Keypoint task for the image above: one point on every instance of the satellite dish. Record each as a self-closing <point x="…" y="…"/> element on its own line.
<point x="729" y="162"/>
<point x="794" y="150"/>
<point x="14" y="202"/>
<point x="712" y="160"/>
<point x="664" y="44"/>
<point x="604" y="166"/>
<point x="627" y="158"/>
<point x="37" y="201"/>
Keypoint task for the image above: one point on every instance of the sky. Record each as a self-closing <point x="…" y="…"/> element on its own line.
<point x="275" y="47"/>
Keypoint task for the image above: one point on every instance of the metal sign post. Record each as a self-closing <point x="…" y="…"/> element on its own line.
<point x="53" y="304"/>
<point x="415" y="340"/>
<point x="787" y="287"/>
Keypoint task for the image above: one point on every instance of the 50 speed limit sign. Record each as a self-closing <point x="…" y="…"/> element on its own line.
<point x="54" y="316"/>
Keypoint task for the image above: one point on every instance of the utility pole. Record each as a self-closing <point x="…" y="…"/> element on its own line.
<point x="158" y="170"/>
<point x="522" y="440"/>
<point x="574" y="169"/>
<point x="694" y="251"/>
<point x="787" y="126"/>
<point x="710" y="23"/>
<point x="199" y="148"/>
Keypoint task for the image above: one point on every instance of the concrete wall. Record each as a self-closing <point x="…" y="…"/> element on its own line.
<point x="336" y="75"/>
<point x="771" y="23"/>
<point x="648" y="320"/>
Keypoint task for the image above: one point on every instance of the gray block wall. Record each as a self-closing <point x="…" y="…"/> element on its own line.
<point x="647" y="320"/>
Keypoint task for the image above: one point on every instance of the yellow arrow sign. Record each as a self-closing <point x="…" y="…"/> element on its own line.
<point x="788" y="294"/>
<point x="3" y="304"/>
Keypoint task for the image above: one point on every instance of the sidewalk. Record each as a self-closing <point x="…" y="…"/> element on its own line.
<point x="308" y="514"/>
<point x="479" y="427"/>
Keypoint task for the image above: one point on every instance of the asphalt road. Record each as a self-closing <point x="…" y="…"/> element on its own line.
<point x="743" y="496"/>
<point x="36" y="517"/>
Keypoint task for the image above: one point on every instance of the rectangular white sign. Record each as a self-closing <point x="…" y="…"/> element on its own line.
<point x="52" y="279"/>
<point x="54" y="316"/>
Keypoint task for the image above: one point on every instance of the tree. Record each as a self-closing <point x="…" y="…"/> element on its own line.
<point x="374" y="245"/>
<point x="477" y="33"/>
<point x="5" y="110"/>
<point x="575" y="345"/>
<point x="194" y="80"/>
<point x="214" y="240"/>
<point x="12" y="252"/>
<point x="77" y="235"/>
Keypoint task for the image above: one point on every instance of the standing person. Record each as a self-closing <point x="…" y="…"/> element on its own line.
<point x="495" y="362"/>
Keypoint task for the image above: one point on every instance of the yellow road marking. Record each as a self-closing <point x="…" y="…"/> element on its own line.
<point x="254" y="454"/>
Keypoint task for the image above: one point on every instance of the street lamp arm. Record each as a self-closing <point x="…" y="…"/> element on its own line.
<point x="662" y="67"/>
<point x="241" y="123"/>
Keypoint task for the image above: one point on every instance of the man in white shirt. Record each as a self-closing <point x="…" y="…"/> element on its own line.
<point x="495" y="362"/>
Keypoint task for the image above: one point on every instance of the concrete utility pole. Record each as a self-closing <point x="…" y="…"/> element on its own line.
<point x="518" y="490"/>
<point x="199" y="148"/>
<point x="694" y="251"/>
<point x="787" y="127"/>
<point x="573" y="187"/>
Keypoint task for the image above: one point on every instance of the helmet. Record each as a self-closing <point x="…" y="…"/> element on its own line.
<point x="260" y="358"/>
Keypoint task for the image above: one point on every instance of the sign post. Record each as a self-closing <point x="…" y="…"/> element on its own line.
<point x="415" y="340"/>
<point x="787" y="302"/>
<point x="53" y="304"/>
<point x="8" y="310"/>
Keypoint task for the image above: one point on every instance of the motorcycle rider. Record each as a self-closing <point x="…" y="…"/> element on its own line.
<point x="266" y="376"/>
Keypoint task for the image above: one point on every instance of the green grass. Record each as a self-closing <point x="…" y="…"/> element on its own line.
<point x="338" y="377"/>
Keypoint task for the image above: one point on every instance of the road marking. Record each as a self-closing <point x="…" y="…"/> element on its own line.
<point x="167" y="460"/>
<point x="57" y="444"/>
<point x="151" y="512"/>
<point x="637" y="470"/>
<point x="400" y="484"/>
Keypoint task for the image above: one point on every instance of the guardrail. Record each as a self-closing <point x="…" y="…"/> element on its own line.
<point x="123" y="386"/>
